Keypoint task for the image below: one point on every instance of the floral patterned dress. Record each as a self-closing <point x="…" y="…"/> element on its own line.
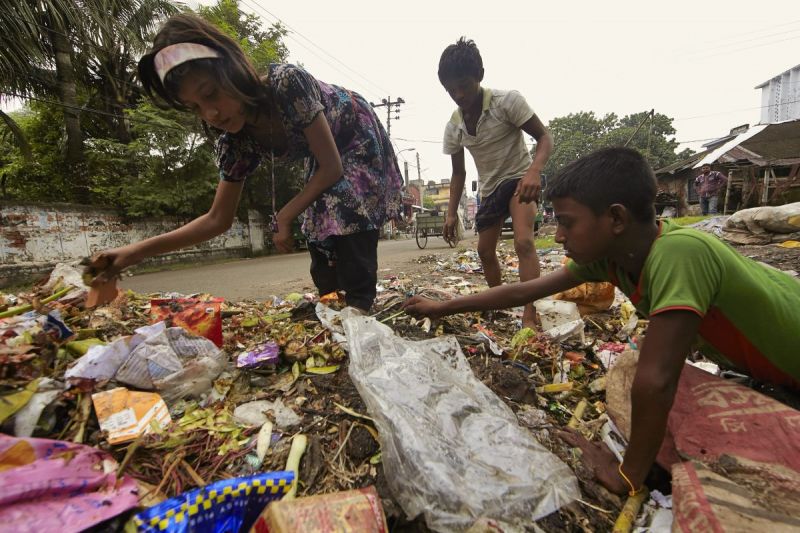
<point x="369" y="191"/>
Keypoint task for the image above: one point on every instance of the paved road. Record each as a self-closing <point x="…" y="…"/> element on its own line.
<point x="276" y="274"/>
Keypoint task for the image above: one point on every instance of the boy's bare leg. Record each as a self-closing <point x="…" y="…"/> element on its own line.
<point x="523" y="218"/>
<point x="487" y="251"/>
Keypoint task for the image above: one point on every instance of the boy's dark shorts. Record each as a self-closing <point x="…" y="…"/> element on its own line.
<point x="494" y="208"/>
<point x="350" y="264"/>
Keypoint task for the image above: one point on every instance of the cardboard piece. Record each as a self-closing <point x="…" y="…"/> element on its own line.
<point x="126" y="414"/>
<point x="352" y="511"/>
<point x="735" y="495"/>
<point x="102" y="293"/>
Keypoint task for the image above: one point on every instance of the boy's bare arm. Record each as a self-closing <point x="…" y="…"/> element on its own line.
<point x="668" y="341"/>
<point x="669" y="338"/>
<point x="530" y="185"/>
<point x="501" y="297"/>
<point x="456" y="189"/>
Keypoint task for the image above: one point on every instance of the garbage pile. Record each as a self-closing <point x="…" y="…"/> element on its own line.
<point x="182" y="406"/>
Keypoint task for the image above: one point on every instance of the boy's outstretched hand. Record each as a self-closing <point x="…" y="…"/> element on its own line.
<point x="420" y="307"/>
<point x="599" y="459"/>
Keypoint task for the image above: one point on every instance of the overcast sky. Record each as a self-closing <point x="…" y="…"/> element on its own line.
<point x="696" y="61"/>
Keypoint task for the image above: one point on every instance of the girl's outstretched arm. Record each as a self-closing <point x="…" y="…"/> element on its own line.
<point x="218" y="220"/>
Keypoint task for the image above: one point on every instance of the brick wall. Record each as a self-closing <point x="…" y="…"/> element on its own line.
<point x="34" y="237"/>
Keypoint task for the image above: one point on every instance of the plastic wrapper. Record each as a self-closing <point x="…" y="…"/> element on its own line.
<point x="560" y="320"/>
<point x="229" y="505"/>
<point x="50" y="485"/>
<point x="201" y="317"/>
<point x="590" y="297"/>
<point x="47" y="390"/>
<point x="451" y="449"/>
<point x="264" y="354"/>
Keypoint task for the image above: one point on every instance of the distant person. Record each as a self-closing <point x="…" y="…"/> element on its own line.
<point x="695" y="290"/>
<point x="352" y="180"/>
<point x="490" y="124"/>
<point x="708" y="185"/>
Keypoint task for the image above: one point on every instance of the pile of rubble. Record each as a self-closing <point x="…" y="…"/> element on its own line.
<point x="173" y="393"/>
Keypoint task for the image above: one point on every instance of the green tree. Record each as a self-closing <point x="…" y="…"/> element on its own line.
<point x="134" y="156"/>
<point x="261" y="46"/>
<point x="578" y="134"/>
<point x="45" y="49"/>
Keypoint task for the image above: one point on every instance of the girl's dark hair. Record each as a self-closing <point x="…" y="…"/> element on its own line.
<point x="460" y="60"/>
<point x="609" y="176"/>
<point x="232" y="71"/>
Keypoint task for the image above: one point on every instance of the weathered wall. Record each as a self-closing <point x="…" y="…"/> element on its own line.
<point x="33" y="237"/>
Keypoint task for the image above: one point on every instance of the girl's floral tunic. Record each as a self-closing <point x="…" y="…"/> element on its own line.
<point x="369" y="192"/>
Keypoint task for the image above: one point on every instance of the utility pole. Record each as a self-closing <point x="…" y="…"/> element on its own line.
<point x="421" y="185"/>
<point x="390" y="107"/>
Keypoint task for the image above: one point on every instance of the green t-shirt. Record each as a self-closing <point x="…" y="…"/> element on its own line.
<point x="751" y="312"/>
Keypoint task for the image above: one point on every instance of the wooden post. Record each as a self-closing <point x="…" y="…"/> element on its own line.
<point x="727" y="192"/>
<point x="765" y="187"/>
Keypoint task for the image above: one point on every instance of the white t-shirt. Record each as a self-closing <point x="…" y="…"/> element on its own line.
<point x="498" y="146"/>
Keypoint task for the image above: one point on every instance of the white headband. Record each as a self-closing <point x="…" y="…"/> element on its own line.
<point x="173" y="55"/>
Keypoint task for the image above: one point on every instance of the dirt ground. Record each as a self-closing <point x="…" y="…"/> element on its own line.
<point x="787" y="259"/>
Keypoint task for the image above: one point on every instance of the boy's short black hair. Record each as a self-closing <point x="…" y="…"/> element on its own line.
<point x="609" y="176"/>
<point x="460" y="60"/>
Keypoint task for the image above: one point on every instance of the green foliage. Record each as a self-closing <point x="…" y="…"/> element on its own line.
<point x="261" y="46"/>
<point x="167" y="169"/>
<point x="578" y="134"/>
<point x="139" y="159"/>
<point x="42" y="178"/>
<point x="428" y="203"/>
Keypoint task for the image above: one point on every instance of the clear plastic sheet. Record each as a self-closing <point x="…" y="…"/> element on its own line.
<point x="451" y="449"/>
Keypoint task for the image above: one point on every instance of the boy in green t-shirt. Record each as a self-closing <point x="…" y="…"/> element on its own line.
<point x="689" y="284"/>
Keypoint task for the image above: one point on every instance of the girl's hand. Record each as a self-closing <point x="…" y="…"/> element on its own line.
<point x="419" y="307"/>
<point x="282" y="239"/>
<point x="109" y="263"/>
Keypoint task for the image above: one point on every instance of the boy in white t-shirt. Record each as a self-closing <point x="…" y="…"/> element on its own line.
<point x="489" y="123"/>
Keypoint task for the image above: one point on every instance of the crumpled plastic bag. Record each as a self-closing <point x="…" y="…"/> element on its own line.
<point x="169" y="360"/>
<point x="451" y="449"/>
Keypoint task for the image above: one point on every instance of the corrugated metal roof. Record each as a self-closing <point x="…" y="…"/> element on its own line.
<point x="775" y="77"/>
<point x="764" y="144"/>
<point x="736" y="141"/>
<point x="681" y="165"/>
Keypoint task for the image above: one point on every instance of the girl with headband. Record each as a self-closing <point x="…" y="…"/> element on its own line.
<point x="352" y="180"/>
